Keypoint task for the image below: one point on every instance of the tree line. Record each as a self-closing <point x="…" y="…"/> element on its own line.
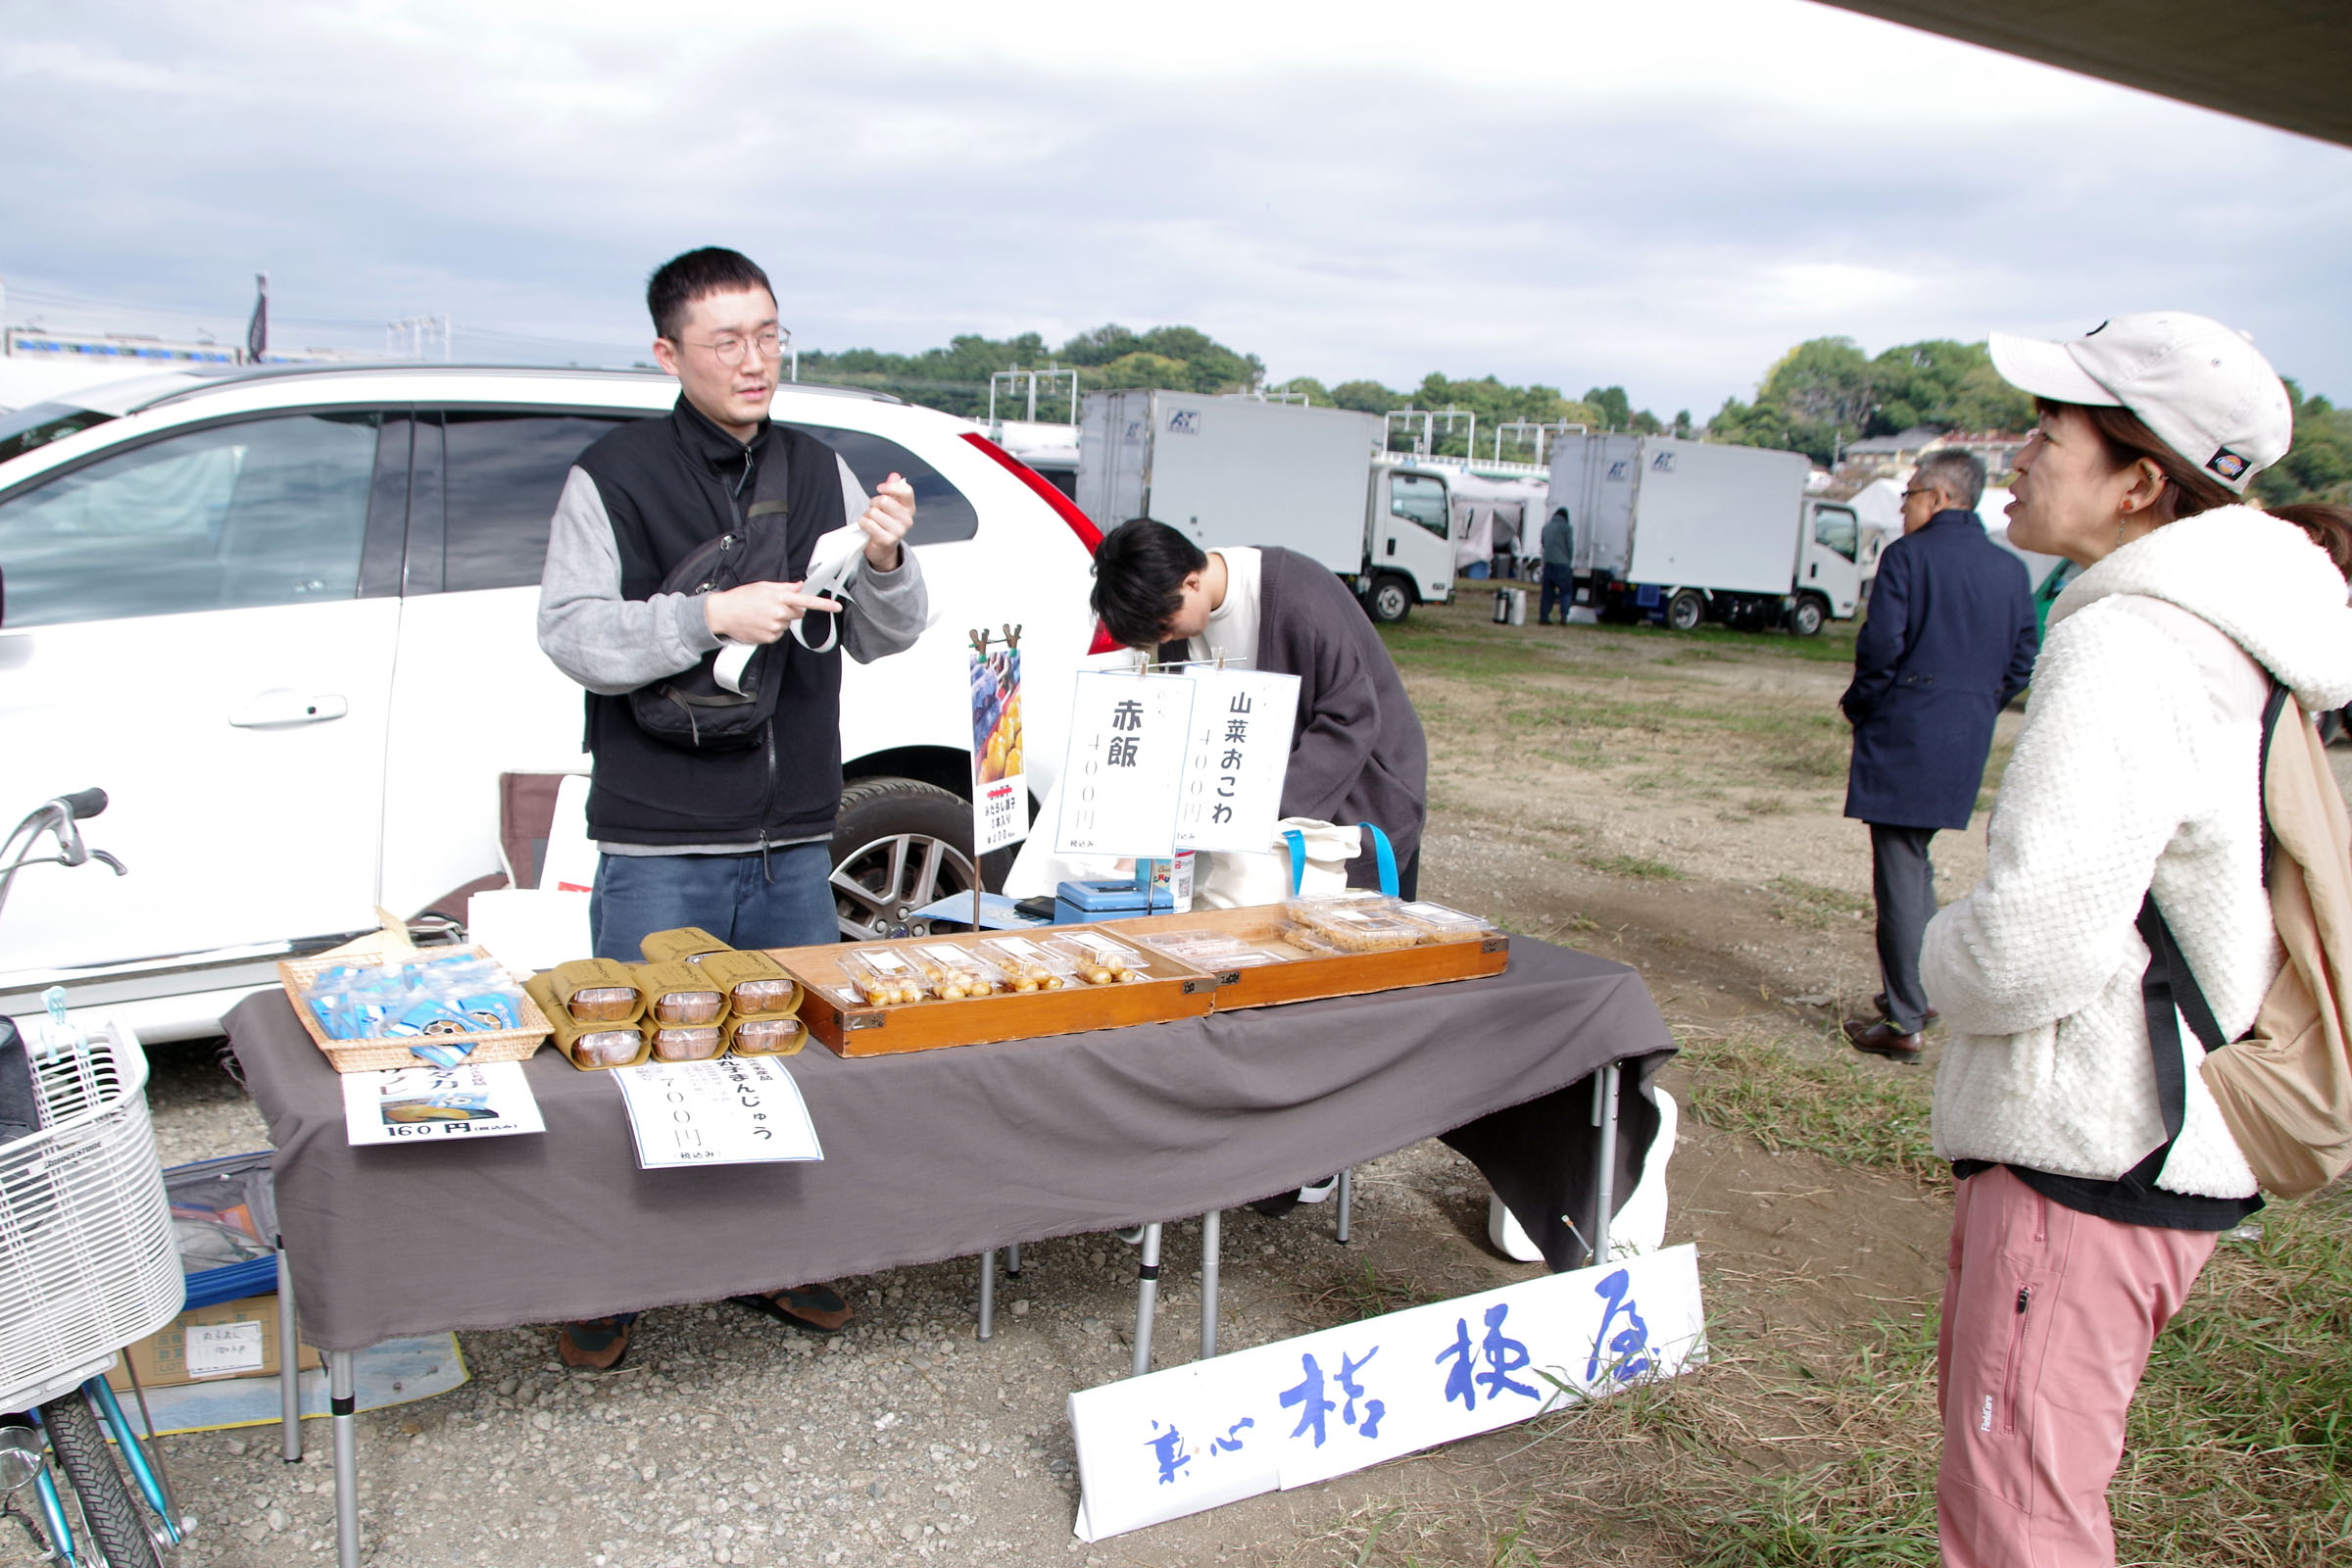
<point x="1818" y="398"/>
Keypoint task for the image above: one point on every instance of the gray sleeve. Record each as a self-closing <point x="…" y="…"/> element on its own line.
<point x="889" y="612"/>
<point x="606" y="643"/>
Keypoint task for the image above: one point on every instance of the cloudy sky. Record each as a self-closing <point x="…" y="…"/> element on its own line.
<point x="1565" y="192"/>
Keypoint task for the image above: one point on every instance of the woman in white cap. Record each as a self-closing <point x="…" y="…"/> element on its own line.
<point x="2089" y="1199"/>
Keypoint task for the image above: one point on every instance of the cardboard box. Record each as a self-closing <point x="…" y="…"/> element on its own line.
<point x="227" y="1340"/>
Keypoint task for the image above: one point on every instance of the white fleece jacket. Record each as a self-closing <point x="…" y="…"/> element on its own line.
<point x="2137" y="765"/>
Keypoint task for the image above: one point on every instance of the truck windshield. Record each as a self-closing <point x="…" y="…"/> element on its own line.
<point x="41" y="423"/>
<point x="1420" y="497"/>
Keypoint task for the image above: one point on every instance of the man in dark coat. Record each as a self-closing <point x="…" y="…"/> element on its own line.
<point x="1949" y="640"/>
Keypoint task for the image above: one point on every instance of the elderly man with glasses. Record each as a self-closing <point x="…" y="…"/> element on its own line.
<point x="1949" y="640"/>
<point x="730" y="832"/>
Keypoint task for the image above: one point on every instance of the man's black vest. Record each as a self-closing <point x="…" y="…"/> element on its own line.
<point x="670" y="487"/>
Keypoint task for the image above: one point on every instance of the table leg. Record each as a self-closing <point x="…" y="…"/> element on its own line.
<point x="289" y="1377"/>
<point x="1013" y="1261"/>
<point x="1345" y="1199"/>
<point x="1146" y="1298"/>
<point x="1604" y="1178"/>
<point x="343" y="1401"/>
<point x="988" y="1294"/>
<point x="1211" y="1237"/>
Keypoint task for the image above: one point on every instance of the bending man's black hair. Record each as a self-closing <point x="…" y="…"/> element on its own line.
<point x="1140" y="568"/>
<point x="682" y="279"/>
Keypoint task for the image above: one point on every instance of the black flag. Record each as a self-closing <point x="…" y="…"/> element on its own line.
<point x="257" y="330"/>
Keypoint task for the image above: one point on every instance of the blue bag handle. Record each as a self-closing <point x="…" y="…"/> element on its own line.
<point x="1383" y="852"/>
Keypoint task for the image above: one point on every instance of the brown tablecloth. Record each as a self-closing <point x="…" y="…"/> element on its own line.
<point x="944" y="1153"/>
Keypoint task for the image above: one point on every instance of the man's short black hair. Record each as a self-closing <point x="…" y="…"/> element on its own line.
<point x="682" y="279"/>
<point x="1140" y="567"/>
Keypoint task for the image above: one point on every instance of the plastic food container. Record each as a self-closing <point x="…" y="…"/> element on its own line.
<point x="1444" y="924"/>
<point x="608" y="1048"/>
<point x="681" y="993"/>
<point x="1099" y="961"/>
<point x="688" y="944"/>
<point x="1029" y="966"/>
<point x="1311" y="907"/>
<point x="1367" y="930"/>
<point x="955" y="973"/>
<point x="881" y="977"/>
<point x="756" y="986"/>
<point x="597" y="990"/>
<point x="688" y="1042"/>
<point x="765" y="1037"/>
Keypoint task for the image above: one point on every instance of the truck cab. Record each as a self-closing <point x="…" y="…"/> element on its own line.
<point x="1828" y="571"/>
<point x="1408" y="537"/>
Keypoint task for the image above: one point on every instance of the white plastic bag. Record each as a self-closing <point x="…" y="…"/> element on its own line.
<point x="1238" y="878"/>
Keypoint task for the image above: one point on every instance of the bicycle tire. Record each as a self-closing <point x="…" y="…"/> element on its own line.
<point x="114" y="1520"/>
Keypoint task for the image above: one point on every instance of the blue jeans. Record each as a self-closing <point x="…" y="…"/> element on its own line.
<point x="787" y="902"/>
<point x="1559" y="585"/>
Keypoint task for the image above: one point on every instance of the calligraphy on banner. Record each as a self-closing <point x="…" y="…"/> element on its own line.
<point x="1000" y="782"/>
<point x="1125" y="768"/>
<point x="1237" y="753"/>
<point x="1283" y="1415"/>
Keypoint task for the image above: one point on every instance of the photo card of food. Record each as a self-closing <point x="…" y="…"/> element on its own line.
<point x="424" y="1105"/>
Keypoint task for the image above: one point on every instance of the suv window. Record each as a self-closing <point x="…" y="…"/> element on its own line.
<point x="1420" y="497"/>
<point x="1836" y="529"/>
<point x="941" y="512"/>
<point x="505" y="473"/>
<point x="264" y="511"/>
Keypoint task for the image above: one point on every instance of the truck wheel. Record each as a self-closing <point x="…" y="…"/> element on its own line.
<point x="1685" y="610"/>
<point x="1806" y="619"/>
<point x="897" y="844"/>
<point x="1391" y="598"/>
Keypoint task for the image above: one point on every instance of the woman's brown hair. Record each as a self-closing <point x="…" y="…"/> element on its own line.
<point x="2188" y="491"/>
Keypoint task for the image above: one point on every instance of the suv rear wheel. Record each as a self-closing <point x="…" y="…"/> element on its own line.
<point x="897" y="844"/>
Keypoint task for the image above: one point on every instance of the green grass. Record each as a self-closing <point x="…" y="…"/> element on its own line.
<point x="1791" y="1096"/>
<point x="1633" y="865"/>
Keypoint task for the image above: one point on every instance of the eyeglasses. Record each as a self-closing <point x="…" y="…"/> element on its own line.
<point x="731" y="350"/>
<point x="1908" y="494"/>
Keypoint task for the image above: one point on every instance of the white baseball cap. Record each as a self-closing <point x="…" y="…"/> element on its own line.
<point x="2204" y="389"/>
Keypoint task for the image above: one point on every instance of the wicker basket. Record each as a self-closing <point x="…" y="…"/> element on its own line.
<point x="382" y="1052"/>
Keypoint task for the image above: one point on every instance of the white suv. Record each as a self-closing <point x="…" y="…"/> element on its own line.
<point x="285" y="619"/>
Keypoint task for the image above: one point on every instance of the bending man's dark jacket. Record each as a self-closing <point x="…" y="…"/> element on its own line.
<point x="1357" y="754"/>
<point x="1948" y="641"/>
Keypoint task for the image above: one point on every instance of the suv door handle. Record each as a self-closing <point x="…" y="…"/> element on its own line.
<point x="274" y="709"/>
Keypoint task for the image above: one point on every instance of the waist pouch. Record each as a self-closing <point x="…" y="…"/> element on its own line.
<point x="723" y="700"/>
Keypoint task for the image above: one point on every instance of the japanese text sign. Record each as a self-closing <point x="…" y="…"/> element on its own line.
<point x="1305" y="1410"/>
<point x="1238" y="752"/>
<point x="999" y="785"/>
<point x="425" y="1104"/>
<point x="733" y="1111"/>
<point x="1126" y="765"/>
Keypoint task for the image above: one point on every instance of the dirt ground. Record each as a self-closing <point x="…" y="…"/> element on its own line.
<point x="1669" y="801"/>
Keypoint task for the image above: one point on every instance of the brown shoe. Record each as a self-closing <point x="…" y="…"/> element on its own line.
<point x="1884" y="1011"/>
<point x="818" y="1309"/>
<point x="597" y="1343"/>
<point x="1881" y="1039"/>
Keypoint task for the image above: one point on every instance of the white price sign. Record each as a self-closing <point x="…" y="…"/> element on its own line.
<point x="222" y="1349"/>
<point x="1238" y="752"/>
<point x="1121" y="782"/>
<point x="732" y="1111"/>
<point x="424" y="1105"/>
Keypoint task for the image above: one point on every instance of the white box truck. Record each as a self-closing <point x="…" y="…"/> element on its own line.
<point x="1688" y="531"/>
<point x="1232" y="470"/>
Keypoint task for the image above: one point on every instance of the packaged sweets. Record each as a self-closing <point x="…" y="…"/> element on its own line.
<point x="688" y="944"/>
<point x="1028" y="965"/>
<point x="1099" y="961"/>
<point x="597" y="990"/>
<point x="681" y="993"/>
<point x="1218" y="949"/>
<point x="1442" y="925"/>
<point x="765" y="1037"/>
<point x="456" y="994"/>
<point x="881" y="977"/>
<point x="1366" y="930"/>
<point x="588" y="1045"/>
<point x="686" y="1042"/>
<point x="1308" y="907"/>
<point x="955" y="973"/>
<point x="755" y="983"/>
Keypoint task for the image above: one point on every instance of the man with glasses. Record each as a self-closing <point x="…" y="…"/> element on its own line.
<point x="733" y="837"/>
<point x="1949" y="640"/>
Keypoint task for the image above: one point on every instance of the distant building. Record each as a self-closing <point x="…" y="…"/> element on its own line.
<point x="110" y="348"/>
<point x="1882" y="457"/>
<point x="1884" y="454"/>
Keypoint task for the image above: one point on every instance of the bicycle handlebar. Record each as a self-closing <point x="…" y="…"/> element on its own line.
<point x="82" y="804"/>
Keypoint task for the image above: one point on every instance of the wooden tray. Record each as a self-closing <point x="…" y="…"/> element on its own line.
<point x="849" y="1027"/>
<point x="375" y="1054"/>
<point x="1309" y="978"/>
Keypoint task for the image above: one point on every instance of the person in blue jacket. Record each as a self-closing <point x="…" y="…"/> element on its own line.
<point x="1949" y="640"/>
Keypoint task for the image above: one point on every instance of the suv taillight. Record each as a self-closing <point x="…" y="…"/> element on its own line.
<point x="1064" y="508"/>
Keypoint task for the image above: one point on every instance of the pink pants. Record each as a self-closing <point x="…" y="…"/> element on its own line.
<point x="2048" y="1314"/>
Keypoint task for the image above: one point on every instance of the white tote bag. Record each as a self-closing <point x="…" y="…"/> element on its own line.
<point x="1236" y="878"/>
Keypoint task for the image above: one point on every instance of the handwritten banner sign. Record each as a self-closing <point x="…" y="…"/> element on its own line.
<point x="1174" y="1443"/>
<point x="1238" y="752"/>
<point x="1125" y="769"/>
<point x="731" y="1111"/>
